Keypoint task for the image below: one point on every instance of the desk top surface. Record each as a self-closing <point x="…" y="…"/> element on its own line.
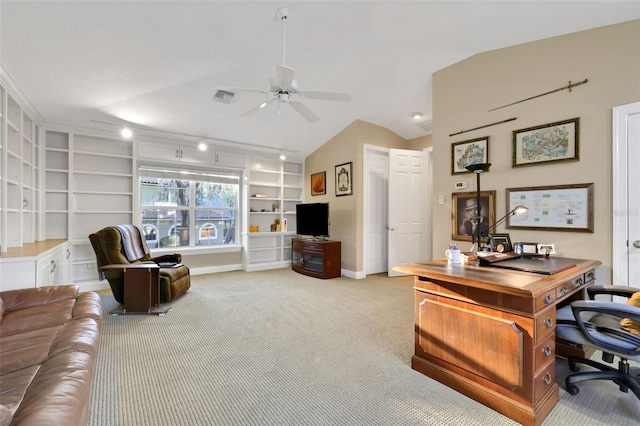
<point x="527" y="284"/>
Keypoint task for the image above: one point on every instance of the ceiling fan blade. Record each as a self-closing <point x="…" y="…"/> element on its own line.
<point x="259" y="107"/>
<point x="304" y="111"/>
<point x="240" y="89"/>
<point x="284" y="76"/>
<point x="327" y="96"/>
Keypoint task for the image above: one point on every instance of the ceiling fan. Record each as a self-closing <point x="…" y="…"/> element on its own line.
<point x="284" y="89"/>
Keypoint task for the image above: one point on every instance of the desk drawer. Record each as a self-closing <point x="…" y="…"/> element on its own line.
<point x="544" y="380"/>
<point x="545" y="324"/>
<point x="544" y="352"/>
<point x="569" y="286"/>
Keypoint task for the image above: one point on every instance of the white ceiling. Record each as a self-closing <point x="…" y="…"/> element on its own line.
<point x="156" y="63"/>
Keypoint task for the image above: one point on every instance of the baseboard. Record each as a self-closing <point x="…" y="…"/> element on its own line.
<point x="214" y="269"/>
<point x="356" y="275"/>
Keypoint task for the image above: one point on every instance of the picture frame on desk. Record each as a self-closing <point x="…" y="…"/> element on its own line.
<point x="500" y="243"/>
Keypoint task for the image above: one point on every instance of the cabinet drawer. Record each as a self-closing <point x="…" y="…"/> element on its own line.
<point x="544" y="380"/>
<point x="545" y="324"/>
<point x="544" y="352"/>
<point x="309" y="246"/>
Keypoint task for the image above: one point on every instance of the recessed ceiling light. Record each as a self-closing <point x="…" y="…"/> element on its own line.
<point x="416" y="115"/>
<point x="283" y="156"/>
<point x="202" y="146"/>
<point x="126" y="132"/>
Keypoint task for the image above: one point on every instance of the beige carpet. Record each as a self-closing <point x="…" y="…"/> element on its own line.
<point x="279" y="348"/>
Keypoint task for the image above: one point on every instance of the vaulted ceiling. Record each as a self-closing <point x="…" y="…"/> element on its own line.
<point x="157" y="64"/>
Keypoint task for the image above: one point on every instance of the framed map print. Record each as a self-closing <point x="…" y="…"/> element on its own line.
<point x="548" y="143"/>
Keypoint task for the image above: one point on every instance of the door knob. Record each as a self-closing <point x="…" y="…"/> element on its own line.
<point x="636" y="243"/>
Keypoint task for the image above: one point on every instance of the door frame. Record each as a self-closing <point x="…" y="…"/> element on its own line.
<point x="620" y="208"/>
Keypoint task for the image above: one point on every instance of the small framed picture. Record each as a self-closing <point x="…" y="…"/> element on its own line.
<point x="500" y="243"/>
<point x="474" y="151"/>
<point x="318" y="185"/>
<point x="344" y="179"/>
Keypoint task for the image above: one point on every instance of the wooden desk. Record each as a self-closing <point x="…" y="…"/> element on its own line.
<point x="489" y="333"/>
<point x="141" y="289"/>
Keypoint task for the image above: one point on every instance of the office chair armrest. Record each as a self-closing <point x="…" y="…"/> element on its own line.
<point x="592" y="331"/>
<point x="612" y="290"/>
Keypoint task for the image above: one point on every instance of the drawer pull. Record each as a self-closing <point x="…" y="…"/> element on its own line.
<point x="547" y="378"/>
<point x="548" y="299"/>
<point x="580" y="281"/>
<point x="547" y="351"/>
<point x="564" y="289"/>
<point x="549" y="322"/>
<point x="53" y="266"/>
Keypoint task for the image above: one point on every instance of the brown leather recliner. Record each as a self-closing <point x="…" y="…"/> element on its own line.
<point x="107" y="244"/>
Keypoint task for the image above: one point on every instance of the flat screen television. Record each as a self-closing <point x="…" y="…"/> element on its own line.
<point x="312" y="219"/>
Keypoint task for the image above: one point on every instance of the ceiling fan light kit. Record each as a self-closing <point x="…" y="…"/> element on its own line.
<point x="284" y="89"/>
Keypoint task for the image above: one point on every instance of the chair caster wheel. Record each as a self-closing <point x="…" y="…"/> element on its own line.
<point x="573" y="389"/>
<point x="573" y="367"/>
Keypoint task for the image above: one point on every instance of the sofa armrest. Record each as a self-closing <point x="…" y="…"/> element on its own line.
<point x="27" y="297"/>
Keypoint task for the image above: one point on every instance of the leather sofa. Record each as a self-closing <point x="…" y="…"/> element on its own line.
<point x="49" y="339"/>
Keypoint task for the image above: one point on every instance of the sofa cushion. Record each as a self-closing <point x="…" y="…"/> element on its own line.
<point x="35" y="317"/>
<point x="59" y="391"/>
<point x="628" y="324"/>
<point x="5" y="415"/>
<point x="25" y="349"/>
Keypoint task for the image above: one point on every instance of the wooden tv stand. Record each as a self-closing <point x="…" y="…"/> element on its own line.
<point x="316" y="258"/>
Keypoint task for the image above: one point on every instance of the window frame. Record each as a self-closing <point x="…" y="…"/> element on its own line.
<point x="193" y="247"/>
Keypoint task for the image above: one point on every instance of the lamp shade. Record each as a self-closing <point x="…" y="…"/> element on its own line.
<point x="479" y="167"/>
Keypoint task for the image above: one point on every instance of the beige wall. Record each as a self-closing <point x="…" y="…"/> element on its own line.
<point x="346" y="211"/>
<point x="463" y="93"/>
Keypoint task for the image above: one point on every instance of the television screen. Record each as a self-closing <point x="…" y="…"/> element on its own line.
<point x="312" y="219"/>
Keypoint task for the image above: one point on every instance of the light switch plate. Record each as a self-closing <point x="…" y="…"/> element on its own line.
<point x="460" y="185"/>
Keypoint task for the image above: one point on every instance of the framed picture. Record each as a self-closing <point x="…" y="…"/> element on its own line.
<point x="344" y="179"/>
<point x="500" y="243"/>
<point x="474" y="151"/>
<point x="553" y="208"/>
<point x="548" y="143"/>
<point x="465" y="214"/>
<point x="318" y="183"/>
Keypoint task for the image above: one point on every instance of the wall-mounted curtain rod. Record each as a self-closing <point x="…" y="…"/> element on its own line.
<point x="198" y="137"/>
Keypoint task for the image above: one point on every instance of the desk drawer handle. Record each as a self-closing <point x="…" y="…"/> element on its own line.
<point x="564" y="289"/>
<point x="547" y="378"/>
<point x="547" y="351"/>
<point x="580" y="281"/>
<point x="548" y="299"/>
<point x="549" y="322"/>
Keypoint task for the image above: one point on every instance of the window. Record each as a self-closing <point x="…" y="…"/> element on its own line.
<point x="188" y="208"/>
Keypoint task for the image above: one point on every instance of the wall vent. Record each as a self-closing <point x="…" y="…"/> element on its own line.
<point x="223" y="96"/>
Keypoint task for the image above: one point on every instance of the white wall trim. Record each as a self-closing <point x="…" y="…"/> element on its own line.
<point x="356" y="275"/>
<point x="620" y="210"/>
<point x="214" y="269"/>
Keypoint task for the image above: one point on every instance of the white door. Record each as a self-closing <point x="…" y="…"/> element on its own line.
<point x="376" y="181"/>
<point x="407" y="212"/>
<point x="626" y="195"/>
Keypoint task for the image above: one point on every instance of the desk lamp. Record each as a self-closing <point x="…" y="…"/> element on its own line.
<point x="517" y="211"/>
<point x="477" y="169"/>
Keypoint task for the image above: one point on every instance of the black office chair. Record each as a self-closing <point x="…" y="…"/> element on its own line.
<point x="597" y="324"/>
